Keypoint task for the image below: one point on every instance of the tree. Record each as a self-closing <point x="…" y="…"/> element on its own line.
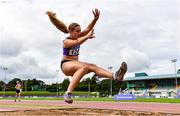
<point x="11" y="84"/>
<point x="104" y="87"/>
<point x="84" y="84"/>
<point x="34" y="85"/>
<point x="95" y="83"/>
<point x="52" y="87"/>
<point x="64" y="84"/>
<point x="1" y="85"/>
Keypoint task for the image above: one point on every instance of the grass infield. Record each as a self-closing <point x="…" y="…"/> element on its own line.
<point x="48" y="96"/>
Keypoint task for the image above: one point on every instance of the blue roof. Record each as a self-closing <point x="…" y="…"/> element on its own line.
<point x="165" y="76"/>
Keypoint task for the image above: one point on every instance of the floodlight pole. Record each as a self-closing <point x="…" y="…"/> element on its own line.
<point x="175" y="73"/>
<point x="4" y="87"/>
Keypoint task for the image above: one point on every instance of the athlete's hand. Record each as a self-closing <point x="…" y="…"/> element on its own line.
<point x="90" y="35"/>
<point x="96" y="13"/>
<point x="50" y="13"/>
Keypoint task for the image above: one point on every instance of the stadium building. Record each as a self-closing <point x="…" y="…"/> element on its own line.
<point x="157" y="86"/>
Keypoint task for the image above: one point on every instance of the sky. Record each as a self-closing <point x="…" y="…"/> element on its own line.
<point x="144" y="33"/>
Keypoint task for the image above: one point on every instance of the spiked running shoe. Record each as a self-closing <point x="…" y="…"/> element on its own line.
<point x="119" y="75"/>
<point x="68" y="98"/>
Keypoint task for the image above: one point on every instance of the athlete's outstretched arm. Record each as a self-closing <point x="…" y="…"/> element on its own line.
<point x="96" y="14"/>
<point x="59" y="24"/>
<point x="69" y="42"/>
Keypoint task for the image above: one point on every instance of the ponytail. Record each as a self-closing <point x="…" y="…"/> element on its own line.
<point x="57" y="23"/>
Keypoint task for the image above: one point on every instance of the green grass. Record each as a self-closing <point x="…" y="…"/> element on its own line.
<point x="101" y="99"/>
<point x="104" y="99"/>
<point x="40" y="93"/>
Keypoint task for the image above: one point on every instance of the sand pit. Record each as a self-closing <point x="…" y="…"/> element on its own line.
<point x="79" y="108"/>
<point x="80" y="112"/>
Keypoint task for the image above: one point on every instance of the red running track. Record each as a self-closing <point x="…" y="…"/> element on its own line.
<point x="10" y="105"/>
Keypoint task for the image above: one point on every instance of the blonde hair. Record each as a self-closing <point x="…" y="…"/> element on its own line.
<point x="72" y="26"/>
<point x="61" y="26"/>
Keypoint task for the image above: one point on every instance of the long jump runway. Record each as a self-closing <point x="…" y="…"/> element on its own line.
<point x="91" y="106"/>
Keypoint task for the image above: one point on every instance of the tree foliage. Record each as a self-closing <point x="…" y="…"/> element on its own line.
<point x="92" y="84"/>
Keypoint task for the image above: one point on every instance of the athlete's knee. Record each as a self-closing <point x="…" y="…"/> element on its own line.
<point x="85" y="67"/>
<point x="91" y="67"/>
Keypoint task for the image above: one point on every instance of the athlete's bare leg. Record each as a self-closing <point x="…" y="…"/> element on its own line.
<point x="78" y="69"/>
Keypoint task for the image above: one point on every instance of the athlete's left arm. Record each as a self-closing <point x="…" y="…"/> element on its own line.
<point x="96" y="13"/>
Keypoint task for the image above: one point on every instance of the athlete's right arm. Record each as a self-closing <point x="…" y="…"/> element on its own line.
<point x="69" y="42"/>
